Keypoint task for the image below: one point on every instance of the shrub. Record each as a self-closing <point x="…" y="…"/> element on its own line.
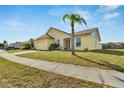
<point x="26" y="45"/>
<point x="86" y="49"/>
<point x="54" y="46"/>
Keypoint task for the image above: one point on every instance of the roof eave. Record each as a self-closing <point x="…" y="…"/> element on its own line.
<point x="98" y="34"/>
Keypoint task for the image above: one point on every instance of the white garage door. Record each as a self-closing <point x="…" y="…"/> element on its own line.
<point x="42" y="45"/>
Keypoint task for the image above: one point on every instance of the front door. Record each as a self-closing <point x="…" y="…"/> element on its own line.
<point x="67" y="43"/>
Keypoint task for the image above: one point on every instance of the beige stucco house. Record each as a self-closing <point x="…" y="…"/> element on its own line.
<point x="89" y="39"/>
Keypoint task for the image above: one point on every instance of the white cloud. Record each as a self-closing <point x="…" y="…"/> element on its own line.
<point x="112" y="7"/>
<point x="107" y="8"/>
<point x="14" y="23"/>
<point x="85" y="14"/>
<point x="61" y="11"/>
<point x="107" y="12"/>
<point x="56" y="12"/>
<point x="110" y="16"/>
<point x="82" y="12"/>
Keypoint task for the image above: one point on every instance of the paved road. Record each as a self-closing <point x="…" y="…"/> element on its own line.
<point x="108" y="77"/>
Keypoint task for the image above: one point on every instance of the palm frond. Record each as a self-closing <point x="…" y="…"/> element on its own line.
<point x="83" y="20"/>
<point x="77" y="20"/>
<point x="74" y="18"/>
<point x="65" y="17"/>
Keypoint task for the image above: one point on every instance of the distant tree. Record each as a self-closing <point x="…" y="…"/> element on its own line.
<point x="1" y="45"/>
<point x="32" y="42"/>
<point x="26" y="45"/>
<point x="5" y="43"/>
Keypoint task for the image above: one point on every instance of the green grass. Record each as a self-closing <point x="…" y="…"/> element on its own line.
<point x="13" y="51"/>
<point x="106" y="59"/>
<point x="17" y="75"/>
<point x="117" y="49"/>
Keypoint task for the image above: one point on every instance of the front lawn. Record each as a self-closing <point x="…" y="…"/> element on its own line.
<point x="13" y="51"/>
<point x="17" y="75"/>
<point x="107" y="59"/>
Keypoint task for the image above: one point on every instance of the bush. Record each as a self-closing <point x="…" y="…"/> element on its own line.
<point x="26" y="45"/>
<point x="54" y="46"/>
<point x="86" y="49"/>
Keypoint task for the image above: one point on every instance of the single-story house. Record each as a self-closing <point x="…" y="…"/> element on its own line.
<point x="16" y="45"/>
<point x="113" y="45"/>
<point x="89" y="39"/>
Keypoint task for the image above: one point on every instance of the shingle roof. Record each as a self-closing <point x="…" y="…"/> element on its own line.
<point x="87" y="31"/>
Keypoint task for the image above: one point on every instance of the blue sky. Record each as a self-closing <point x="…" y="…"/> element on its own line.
<point x="20" y="23"/>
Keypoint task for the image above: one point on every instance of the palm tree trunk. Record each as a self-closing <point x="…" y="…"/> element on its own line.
<point x="72" y="40"/>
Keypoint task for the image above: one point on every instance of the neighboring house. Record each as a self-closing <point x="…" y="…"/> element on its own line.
<point x="89" y="39"/>
<point x="119" y="45"/>
<point x="113" y="45"/>
<point x="17" y="45"/>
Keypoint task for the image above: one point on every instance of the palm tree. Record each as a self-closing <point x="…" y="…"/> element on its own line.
<point x="74" y="18"/>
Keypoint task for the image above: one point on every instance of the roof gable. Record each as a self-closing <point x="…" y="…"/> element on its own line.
<point x="79" y="33"/>
<point x="57" y="30"/>
<point x="46" y="36"/>
<point x="88" y="32"/>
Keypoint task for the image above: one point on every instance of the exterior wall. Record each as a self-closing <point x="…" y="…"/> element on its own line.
<point x="90" y="41"/>
<point x="18" y="45"/>
<point x="58" y="35"/>
<point x="85" y="42"/>
<point x="95" y="40"/>
<point x="49" y="42"/>
<point x="43" y="44"/>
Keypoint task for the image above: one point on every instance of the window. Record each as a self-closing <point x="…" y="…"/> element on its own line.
<point x="78" y="41"/>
